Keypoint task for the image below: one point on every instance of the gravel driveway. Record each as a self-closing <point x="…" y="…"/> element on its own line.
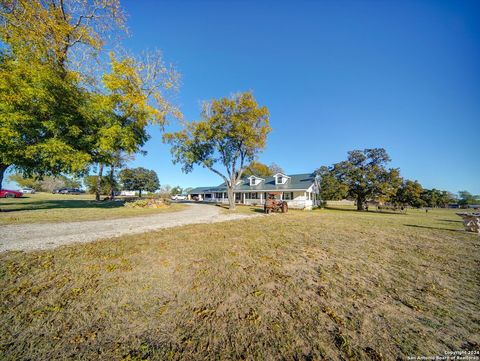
<point x="27" y="237"/>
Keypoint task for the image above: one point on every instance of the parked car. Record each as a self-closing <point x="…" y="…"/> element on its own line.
<point x="6" y="193"/>
<point x="68" y="191"/>
<point x="73" y="191"/>
<point x="59" y="191"/>
<point x="179" y="197"/>
<point x="27" y="190"/>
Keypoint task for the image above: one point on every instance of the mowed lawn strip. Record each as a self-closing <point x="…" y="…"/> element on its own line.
<point x="304" y="285"/>
<point x="45" y="207"/>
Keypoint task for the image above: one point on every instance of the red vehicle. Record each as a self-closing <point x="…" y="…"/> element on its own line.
<point x="274" y="205"/>
<point x="5" y="193"/>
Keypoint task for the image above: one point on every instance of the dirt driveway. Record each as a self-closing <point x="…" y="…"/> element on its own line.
<point x="28" y="237"/>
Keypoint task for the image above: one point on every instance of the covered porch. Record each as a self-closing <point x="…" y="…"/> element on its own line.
<point x="295" y="199"/>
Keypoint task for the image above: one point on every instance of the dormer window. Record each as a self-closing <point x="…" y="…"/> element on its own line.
<point x="255" y="180"/>
<point x="280" y="178"/>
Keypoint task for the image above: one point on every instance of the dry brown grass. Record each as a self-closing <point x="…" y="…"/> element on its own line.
<point x="301" y="286"/>
<point x="48" y="208"/>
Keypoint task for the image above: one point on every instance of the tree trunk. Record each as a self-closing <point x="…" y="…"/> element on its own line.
<point x="360" y="203"/>
<point x="112" y="188"/>
<point x="98" y="191"/>
<point x="140" y="193"/>
<point x="231" y="197"/>
<point x="3" y="168"/>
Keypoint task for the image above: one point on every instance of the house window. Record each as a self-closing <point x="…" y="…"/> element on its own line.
<point x="288" y="196"/>
<point x="255" y="180"/>
<point x="253" y="195"/>
<point x="279" y="179"/>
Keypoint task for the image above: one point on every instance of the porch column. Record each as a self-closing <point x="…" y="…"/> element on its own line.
<point x="261" y="197"/>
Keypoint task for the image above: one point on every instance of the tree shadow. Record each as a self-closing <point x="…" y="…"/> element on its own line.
<point x="436" y="228"/>
<point x="59" y="204"/>
<point x="256" y="209"/>
<point x="365" y="211"/>
<point x="450" y="220"/>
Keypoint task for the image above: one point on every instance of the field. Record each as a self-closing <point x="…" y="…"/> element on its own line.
<point x="45" y="207"/>
<point x="326" y="284"/>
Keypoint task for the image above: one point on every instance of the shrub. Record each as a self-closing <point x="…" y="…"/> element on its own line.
<point x="147" y="203"/>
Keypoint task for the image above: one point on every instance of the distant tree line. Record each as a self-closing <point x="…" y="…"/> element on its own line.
<point x="45" y="184"/>
<point x="365" y="177"/>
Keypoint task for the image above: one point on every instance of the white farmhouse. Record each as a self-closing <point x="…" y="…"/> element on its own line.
<point x="299" y="190"/>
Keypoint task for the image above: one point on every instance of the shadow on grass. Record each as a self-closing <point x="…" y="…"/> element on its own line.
<point x="436" y="228"/>
<point x="58" y="204"/>
<point x="365" y="211"/>
<point x="242" y="206"/>
<point x="450" y="220"/>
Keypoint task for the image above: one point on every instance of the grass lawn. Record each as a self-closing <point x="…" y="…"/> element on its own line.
<point x="46" y="207"/>
<point x="326" y="284"/>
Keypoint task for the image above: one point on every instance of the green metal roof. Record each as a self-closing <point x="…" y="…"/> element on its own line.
<point x="203" y="190"/>
<point x="295" y="182"/>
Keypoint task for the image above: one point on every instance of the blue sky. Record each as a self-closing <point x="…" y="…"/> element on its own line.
<point x="335" y="75"/>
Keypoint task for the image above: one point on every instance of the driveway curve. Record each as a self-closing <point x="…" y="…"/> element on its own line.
<point x="29" y="237"/>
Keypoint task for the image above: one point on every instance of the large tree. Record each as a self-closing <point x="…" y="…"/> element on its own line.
<point x="43" y="128"/>
<point x="262" y="170"/>
<point x="437" y="198"/>
<point x="331" y="188"/>
<point x="139" y="179"/>
<point x="135" y="94"/>
<point x="230" y="135"/>
<point x="257" y="169"/>
<point x="409" y="194"/>
<point x="366" y="175"/>
<point x="58" y="116"/>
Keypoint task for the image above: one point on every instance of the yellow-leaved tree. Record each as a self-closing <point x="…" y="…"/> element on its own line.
<point x="232" y="132"/>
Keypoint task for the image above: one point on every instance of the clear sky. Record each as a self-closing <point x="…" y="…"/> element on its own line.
<point x="335" y="75"/>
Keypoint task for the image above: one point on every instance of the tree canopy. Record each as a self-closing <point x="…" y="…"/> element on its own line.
<point x="331" y="188"/>
<point x="230" y="135"/>
<point x="45" y="184"/>
<point x="466" y="198"/>
<point x="139" y="179"/>
<point x="409" y="194"/>
<point x="261" y="170"/>
<point x="43" y="129"/>
<point x="366" y="175"/>
<point x="56" y="114"/>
